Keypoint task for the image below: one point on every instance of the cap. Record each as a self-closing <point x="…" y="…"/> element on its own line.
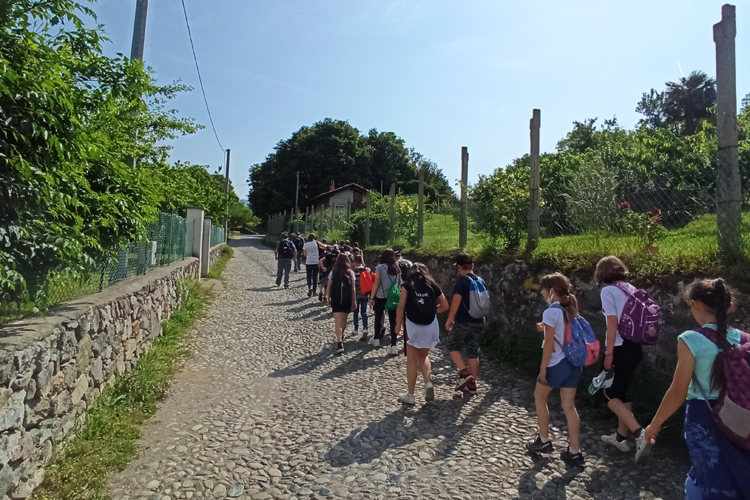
<point x="463" y="259"/>
<point x="397" y="253"/>
<point x="325" y="240"/>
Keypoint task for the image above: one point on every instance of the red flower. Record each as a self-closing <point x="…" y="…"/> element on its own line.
<point x="655" y="212"/>
<point x="624" y="205"/>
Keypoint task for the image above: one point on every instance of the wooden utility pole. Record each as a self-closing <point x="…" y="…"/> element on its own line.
<point x="533" y="228"/>
<point x="139" y="30"/>
<point x="728" y="185"/>
<point x="226" y="192"/>
<point x="420" y="209"/>
<point x="463" y="223"/>
<point x="367" y="221"/>
<point x="392" y="228"/>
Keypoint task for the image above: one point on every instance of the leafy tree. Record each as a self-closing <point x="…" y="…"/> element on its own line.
<point x="690" y="100"/>
<point x="581" y="138"/>
<point x="651" y="106"/>
<point x="240" y="215"/>
<point x="499" y="206"/>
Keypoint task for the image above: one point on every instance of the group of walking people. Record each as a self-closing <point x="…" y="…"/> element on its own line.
<point x="412" y="299"/>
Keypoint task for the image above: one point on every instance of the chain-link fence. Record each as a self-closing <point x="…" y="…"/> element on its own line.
<point x="217" y="235"/>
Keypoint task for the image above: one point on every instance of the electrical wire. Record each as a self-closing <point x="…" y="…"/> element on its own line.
<point x="197" y="68"/>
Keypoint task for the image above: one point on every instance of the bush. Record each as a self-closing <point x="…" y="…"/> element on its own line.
<point x="592" y="202"/>
<point x="499" y="205"/>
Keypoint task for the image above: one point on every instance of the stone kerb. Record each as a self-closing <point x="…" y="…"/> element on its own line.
<point x="52" y="368"/>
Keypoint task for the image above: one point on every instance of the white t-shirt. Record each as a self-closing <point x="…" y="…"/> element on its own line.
<point x="613" y="302"/>
<point x="311" y="247"/>
<point x="554" y="317"/>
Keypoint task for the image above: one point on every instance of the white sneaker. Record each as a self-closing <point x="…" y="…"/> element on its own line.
<point x="407" y="398"/>
<point x="642" y="448"/>
<point x="611" y="439"/>
<point x="374" y="342"/>
<point x="429" y="391"/>
<point x="394" y="351"/>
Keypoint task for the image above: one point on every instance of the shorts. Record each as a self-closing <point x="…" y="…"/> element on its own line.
<point x="465" y="336"/>
<point x="563" y="375"/>
<point x="422" y="336"/>
<point x="625" y="360"/>
<point x="342" y="309"/>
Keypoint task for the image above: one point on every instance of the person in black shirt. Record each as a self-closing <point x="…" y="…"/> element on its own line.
<point x="299" y="244"/>
<point x="285" y="253"/>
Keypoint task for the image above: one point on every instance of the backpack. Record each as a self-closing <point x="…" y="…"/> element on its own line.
<point x="341" y="291"/>
<point x="299" y="242"/>
<point x="286" y="249"/>
<point x="581" y="347"/>
<point x="731" y="413"/>
<point x="641" y="318"/>
<point x="421" y="306"/>
<point x="366" y="280"/>
<point x="393" y="294"/>
<point x="479" y="298"/>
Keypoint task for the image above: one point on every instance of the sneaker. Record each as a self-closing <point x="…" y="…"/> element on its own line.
<point x="407" y="398"/>
<point x="309" y="293"/>
<point x="394" y="350"/>
<point x="339" y="348"/>
<point x="374" y="342"/>
<point x="611" y="439"/>
<point x="642" y="448"/>
<point x="537" y="446"/>
<point x="463" y="378"/>
<point x="471" y="386"/>
<point x="320" y="296"/>
<point x="429" y="391"/>
<point x="363" y="338"/>
<point x="572" y="458"/>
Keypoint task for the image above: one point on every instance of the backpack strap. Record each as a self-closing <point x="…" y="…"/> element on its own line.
<point x="624" y="289"/>
<point x="700" y="389"/>
<point x="565" y="319"/>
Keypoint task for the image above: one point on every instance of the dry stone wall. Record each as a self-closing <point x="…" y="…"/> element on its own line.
<point x="52" y="368"/>
<point x="517" y="305"/>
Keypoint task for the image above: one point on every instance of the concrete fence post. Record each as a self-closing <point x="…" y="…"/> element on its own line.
<point x="420" y="209"/>
<point x="206" y="253"/>
<point x="463" y="223"/>
<point x="367" y="221"/>
<point x="195" y="220"/>
<point x="392" y="228"/>
<point x="533" y="227"/>
<point x="728" y="185"/>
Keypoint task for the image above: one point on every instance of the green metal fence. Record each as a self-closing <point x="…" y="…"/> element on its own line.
<point x="169" y="240"/>
<point x="217" y="235"/>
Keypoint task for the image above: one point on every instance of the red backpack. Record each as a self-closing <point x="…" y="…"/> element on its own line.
<point x="731" y="413"/>
<point x="366" y="280"/>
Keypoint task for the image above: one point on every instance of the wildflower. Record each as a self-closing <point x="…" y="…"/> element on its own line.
<point x="624" y="205"/>
<point x="655" y="212"/>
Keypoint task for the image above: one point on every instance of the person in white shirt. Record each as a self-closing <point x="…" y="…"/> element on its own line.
<point x="311" y="251"/>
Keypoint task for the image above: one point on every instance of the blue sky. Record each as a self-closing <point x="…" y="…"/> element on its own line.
<point x="439" y="74"/>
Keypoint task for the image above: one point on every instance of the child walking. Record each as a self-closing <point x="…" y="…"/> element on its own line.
<point x="721" y="469"/>
<point x="556" y="372"/>
<point x="621" y="354"/>
<point x="362" y="298"/>
<point x="341" y="297"/>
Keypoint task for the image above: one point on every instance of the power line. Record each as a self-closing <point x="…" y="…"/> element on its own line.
<point x="203" y="90"/>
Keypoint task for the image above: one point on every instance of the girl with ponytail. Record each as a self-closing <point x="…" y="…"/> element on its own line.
<point x="720" y="468"/>
<point x="556" y="371"/>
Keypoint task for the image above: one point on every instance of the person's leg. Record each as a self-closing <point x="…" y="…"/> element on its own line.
<point x="309" y="278"/>
<point x="379" y="317"/>
<point x="363" y="312"/>
<point x="392" y="324"/>
<point x="411" y="368"/>
<point x="426" y="367"/>
<point x="287" y="270"/>
<point x="626" y="419"/>
<point x="356" y="318"/>
<point x="458" y="360"/>
<point x="568" y="398"/>
<point x="541" y="394"/>
<point x="279" y="271"/>
<point x="339" y="320"/>
<point x="474" y="367"/>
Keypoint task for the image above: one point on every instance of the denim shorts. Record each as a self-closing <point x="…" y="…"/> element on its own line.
<point x="465" y="336"/>
<point x="563" y="375"/>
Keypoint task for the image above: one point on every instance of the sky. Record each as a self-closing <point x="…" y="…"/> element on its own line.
<point x="439" y="74"/>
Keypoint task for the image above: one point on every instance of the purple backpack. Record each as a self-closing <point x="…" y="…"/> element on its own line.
<point x="641" y="318"/>
<point x="731" y="413"/>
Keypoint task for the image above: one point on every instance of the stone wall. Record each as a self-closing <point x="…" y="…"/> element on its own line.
<point x="52" y="368"/>
<point x="214" y="254"/>
<point x="517" y="306"/>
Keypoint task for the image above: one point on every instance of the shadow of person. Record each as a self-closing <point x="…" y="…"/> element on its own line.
<point x="534" y="483"/>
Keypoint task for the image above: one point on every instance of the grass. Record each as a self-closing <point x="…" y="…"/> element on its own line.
<point x="106" y="442"/>
<point x="218" y="268"/>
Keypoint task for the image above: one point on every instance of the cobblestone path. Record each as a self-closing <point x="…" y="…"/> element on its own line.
<point x="264" y="410"/>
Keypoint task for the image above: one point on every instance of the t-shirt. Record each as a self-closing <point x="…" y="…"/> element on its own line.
<point x="329" y="260"/>
<point x="555" y="318"/>
<point x="386" y="280"/>
<point x="311" y="247"/>
<point x="705" y="353"/>
<point x="463" y="285"/>
<point x="613" y="302"/>
<point x="299" y="243"/>
<point x="411" y="293"/>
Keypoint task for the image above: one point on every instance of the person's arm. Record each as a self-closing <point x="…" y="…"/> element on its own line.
<point x="354" y="290"/>
<point x="375" y="285"/>
<point x="677" y="392"/>
<point x="400" y="310"/>
<point x="321" y="266"/>
<point x="295" y="253"/>
<point x="442" y="304"/>
<point x="455" y="304"/>
<point x="304" y="252"/>
<point x="276" y="253"/>
<point x="609" y="344"/>
<point x="547" y="350"/>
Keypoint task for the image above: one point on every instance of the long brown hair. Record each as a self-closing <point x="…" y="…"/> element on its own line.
<point x="341" y="267"/>
<point x="419" y="271"/>
<point x="610" y="270"/>
<point x="561" y="286"/>
<point x="388" y="257"/>
<point x="717" y="296"/>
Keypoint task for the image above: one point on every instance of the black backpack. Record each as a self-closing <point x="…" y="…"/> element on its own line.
<point x="341" y="291"/>
<point x="299" y="242"/>
<point x="286" y="249"/>
<point x="421" y="306"/>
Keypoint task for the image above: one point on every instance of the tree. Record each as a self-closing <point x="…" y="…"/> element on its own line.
<point x="499" y="206"/>
<point x="240" y="215"/>
<point x="651" y="106"/>
<point x="581" y="138"/>
<point x="689" y="100"/>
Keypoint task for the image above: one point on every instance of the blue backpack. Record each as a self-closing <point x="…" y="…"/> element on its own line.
<point x="581" y="347"/>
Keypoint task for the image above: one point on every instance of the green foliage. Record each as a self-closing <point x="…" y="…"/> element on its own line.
<point x="407" y="214"/>
<point x="499" y="206"/>
<point x="107" y="441"/>
<point x="334" y="150"/>
<point x="240" y="215"/>
<point x="217" y="269"/>
<point x="592" y="201"/>
<point x="68" y="118"/>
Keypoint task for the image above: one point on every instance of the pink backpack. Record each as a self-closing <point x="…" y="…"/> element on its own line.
<point x="731" y="413"/>
<point x="641" y="318"/>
